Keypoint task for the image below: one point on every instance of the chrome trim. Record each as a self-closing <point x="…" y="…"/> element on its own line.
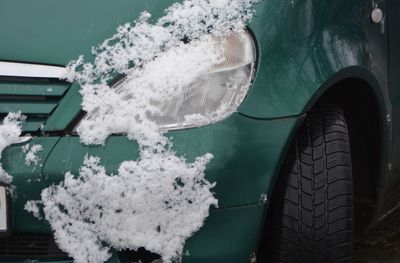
<point x="13" y="69"/>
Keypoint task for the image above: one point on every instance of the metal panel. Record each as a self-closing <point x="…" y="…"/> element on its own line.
<point x="27" y="107"/>
<point x="32" y="126"/>
<point x="37" y="89"/>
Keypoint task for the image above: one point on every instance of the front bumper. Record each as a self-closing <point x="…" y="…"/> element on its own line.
<point x="247" y="156"/>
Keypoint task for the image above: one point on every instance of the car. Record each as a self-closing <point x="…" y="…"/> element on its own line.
<point x="308" y="162"/>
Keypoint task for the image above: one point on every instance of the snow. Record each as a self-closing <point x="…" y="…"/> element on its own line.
<point x="140" y="42"/>
<point x="10" y="130"/>
<point x="30" y="152"/>
<point x="156" y="202"/>
<point x="126" y="109"/>
<point x="33" y="207"/>
<point x="264" y="198"/>
<point x="161" y="199"/>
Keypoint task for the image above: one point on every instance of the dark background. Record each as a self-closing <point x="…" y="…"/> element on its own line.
<point x="382" y="242"/>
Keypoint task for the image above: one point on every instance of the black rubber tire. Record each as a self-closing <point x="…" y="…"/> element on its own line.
<point x="311" y="213"/>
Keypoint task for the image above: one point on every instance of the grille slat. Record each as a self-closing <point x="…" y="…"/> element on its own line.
<point x="30" y="246"/>
<point x="33" y="89"/>
<point x="27" y="107"/>
<point x="36" y="100"/>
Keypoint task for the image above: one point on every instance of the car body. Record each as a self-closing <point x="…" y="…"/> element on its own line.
<point x="307" y="51"/>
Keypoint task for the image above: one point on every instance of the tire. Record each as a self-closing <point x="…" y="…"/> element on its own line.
<point x="311" y="213"/>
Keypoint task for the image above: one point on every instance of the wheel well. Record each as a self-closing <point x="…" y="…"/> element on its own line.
<point x="361" y="110"/>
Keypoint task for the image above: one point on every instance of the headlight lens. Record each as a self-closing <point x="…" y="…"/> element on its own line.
<point x="218" y="94"/>
<point x="212" y="96"/>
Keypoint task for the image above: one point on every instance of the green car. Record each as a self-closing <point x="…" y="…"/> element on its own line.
<point x="308" y="162"/>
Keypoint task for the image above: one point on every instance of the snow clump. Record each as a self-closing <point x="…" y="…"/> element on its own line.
<point x="155" y="203"/>
<point x="33" y="207"/>
<point x="30" y="152"/>
<point x="10" y="130"/>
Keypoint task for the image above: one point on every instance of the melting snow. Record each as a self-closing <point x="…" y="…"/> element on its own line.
<point x="161" y="199"/>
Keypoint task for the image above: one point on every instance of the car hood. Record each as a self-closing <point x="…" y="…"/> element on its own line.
<point x="55" y="32"/>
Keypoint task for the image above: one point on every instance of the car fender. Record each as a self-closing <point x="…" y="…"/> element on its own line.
<point x="305" y="47"/>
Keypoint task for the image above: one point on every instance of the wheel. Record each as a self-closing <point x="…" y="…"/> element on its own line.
<point x="311" y="213"/>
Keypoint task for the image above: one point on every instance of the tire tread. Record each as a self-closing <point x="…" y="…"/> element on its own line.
<point x="316" y="222"/>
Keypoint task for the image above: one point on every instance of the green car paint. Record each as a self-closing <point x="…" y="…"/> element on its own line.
<point x="307" y="45"/>
<point x="60" y="119"/>
<point x="28" y="181"/>
<point x="304" y="48"/>
<point x="302" y="44"/>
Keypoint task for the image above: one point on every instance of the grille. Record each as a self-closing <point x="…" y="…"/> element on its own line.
<point x="30" y="246"/>
<point x="36" y="99"/>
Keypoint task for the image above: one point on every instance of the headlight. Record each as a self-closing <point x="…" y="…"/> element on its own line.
<point x="219" y="93"/>
<point x="208" y="97"/>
